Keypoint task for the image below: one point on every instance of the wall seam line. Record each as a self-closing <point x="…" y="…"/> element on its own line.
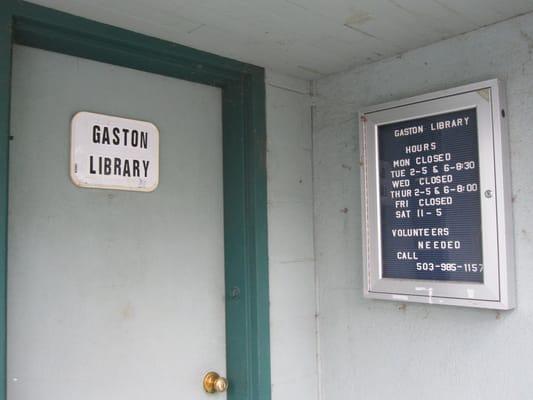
<point x="312" y="92"/>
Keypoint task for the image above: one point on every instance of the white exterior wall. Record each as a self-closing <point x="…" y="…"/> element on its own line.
<point x="383" y="350"/>
<point x="291" y="247"/>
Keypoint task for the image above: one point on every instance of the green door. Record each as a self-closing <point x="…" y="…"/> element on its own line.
<point x="244" y="210"/>
<point x="113" y="294"/>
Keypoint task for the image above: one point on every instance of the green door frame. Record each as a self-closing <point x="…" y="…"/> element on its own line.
<point x="244" y="166"/>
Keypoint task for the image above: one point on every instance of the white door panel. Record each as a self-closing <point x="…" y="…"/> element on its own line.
<point x="113" y="294"/>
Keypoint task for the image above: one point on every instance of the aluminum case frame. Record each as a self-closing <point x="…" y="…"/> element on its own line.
<point x="498" y="291"/>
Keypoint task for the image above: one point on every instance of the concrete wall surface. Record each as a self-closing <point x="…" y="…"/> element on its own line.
<point x="373" y="349"/>
<point x="291" y="246"/>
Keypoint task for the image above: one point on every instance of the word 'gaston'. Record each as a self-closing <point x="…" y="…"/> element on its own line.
<point x="120" y="136"/>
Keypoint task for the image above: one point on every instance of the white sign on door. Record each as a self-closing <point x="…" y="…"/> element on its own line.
<point x="109" y="152"/>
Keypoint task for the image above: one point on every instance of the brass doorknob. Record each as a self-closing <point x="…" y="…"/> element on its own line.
<point x="214" y="383"/>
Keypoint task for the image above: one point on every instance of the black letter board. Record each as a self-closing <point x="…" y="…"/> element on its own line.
<point x="430" y="199"/>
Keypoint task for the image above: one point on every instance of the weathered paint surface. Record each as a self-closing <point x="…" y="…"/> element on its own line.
<point x="41" y="27"/>
<point x="291" y="246"/>
<point x="303" y="38"/>
<point x="381" y="350"/>
<point x="102" y="284"/>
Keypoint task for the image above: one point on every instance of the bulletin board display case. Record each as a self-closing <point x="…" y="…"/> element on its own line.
<point x="437" y="213"/>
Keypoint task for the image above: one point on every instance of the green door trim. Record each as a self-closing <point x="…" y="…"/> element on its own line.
<point x="244" y="149"/>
